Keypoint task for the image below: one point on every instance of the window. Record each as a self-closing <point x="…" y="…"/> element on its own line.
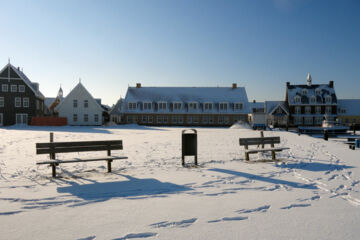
<point x="13" y="88"/>
<point x="192" y="106"/>
<point x="278" y="110"/>
<point x="173" y="119"/>
<point x="177" y="105"/>
<point x="211" y="120"/>
<point x="162" y="105"/>
<point x="226" y="120"/>
<point x="308" y="120"/>
<point x="328" y="99"/>
<point x="129" y="119"/>
<point x="5" y="88"/>
<point x="297" y="99"/>
<point x="196" y="120"/>
<point x="304" y="92"/>
<point x="86" y="117"/>
<point x="21" y="88"/>
<point x="317" y="91"/>
<point x="2" y="102"/>
<point x="220" y="120"/>
<point x="17" y="102"/>
<point x="313" y="99"/>
<point x="180" y="120"/>
<point x="86" y="103"/>
<point x="205" y="120"/>
<point x="26" y="102"/>
<point x="75" y="103"/>
<point x="146" y="105"/>
<point x="318" y="120"/>
<point x="223" y="106"/>
<point x="165" y="120"/>
<point x="21" y="118"/>
<point x="328" y="110"/>
<point x="189" y="119"/>
<point x="208" y="106"/>
<point x="150" y="119"/>
<point x="96" y="117"/>
<point x="308" y="110"/>
<point x="298" y="120"/>
<point x="317" y="110"/>
<point x="238" y="106"/>
<point x="144" y="119"/>
<point x="297" y="110"/>
<point x="132" y="105"/>
<point x="159" y="119"/>
<point x="75" y="117"/>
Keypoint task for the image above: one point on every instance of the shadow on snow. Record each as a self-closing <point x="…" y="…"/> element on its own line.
<point x="314" y="166"/>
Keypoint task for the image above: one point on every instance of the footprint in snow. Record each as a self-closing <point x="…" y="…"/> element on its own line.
<point x="137" y="235"/>
<point x="88" y="238"/>
<point x="226" y="219"/>
<point x="181" y="224"/>
<point x="259" y="209"/>
<point x="296" y="205"/>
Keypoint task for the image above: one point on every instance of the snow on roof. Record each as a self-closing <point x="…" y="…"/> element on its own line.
<point x="188" y="94"/>
<point x="116" y="109"/>
<point x="352" y="107"/>
<point x="257" y="106"/>
<point x="49" y="101"/>
<point x="271" y="105"/>
<point x="319" y="91"/>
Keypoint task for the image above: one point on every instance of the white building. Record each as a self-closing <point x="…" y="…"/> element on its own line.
<point x="80" y="108"/>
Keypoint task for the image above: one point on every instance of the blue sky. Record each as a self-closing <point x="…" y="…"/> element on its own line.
<point x="113" y="44"/>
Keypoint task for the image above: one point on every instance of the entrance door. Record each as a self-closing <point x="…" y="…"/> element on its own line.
<point x="1" y="119"/>
<point x="21" y="118"/>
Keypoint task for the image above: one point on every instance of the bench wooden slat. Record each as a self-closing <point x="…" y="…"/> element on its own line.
<point x="58" y="161"/>
<point x="266" y="149"/>
<point x="78" y="144"/>
<point x="69" y="149"/>
<point x="257" y="141"/>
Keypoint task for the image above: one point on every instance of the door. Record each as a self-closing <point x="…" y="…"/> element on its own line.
<point x="1" y="120"/>
<point x="21" y="118"/>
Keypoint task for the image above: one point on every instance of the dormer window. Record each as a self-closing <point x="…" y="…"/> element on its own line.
<point x="313" y="99"/>
<point x="147" y="105"/>
<point x="317" y="91"/>
<point x="328" y="99"/>
<point x="162" y="105"/>
<point x="177" y="105"/>
<point x="132" y="105"/>
<point x="304" y="92"/>
<point x="208" y="106"/>
<point x="193" y="105"/>
<point x="297" y="99"/>
<point x="223" y="106"/>
<point x="238" y="106"/>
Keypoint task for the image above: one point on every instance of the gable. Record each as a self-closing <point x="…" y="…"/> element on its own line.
<point x="13" y="74"/>
<point x="4" y="73"/>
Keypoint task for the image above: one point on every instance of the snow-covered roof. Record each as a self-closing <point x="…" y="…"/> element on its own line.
<point x="256" y="106"/>
<point x="319" y="91"/>
<point x="270" y="106"/>
<point x="351" y="106"/>
<point x="33" y="86"/>
<point x="200" y="95"/>
<point x="116" y="109"/>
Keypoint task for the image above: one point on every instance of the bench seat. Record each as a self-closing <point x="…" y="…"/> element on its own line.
<point x="266" y="150"/>
<point x="58" y="161"/>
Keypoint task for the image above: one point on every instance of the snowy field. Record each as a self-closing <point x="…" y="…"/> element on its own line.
<point x="312" y="193"/>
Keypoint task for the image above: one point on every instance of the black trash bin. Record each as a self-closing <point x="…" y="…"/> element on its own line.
<point x="189" y="144"/>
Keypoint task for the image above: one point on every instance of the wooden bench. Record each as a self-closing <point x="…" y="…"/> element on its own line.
<point x="52" y="148"/>
<point x="261" y="141"/>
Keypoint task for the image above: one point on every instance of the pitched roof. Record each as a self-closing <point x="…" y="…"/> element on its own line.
<point x="271" y="106"/>
<point x="324" y="90"/>
<point x="352" y="107"/>
<point x="25" y="79"/>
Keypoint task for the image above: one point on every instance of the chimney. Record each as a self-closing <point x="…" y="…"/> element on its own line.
<point x="287" y="84"/>
<point x="35" y="86"/>
<point x="331" y="84"/>
<point x="138" y="85"/>
<point x="234" y="85"/>
<point x="18" y="68"/>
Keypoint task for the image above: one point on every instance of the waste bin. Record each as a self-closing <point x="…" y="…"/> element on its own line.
<point x="326" y="135"/>
<point x="189" y="144"/>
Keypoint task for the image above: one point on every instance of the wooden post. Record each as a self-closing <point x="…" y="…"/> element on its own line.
<point x="183" y="160"/>
<point x="53" y="168"/>
<point x="109" y="165"/>
<point x="273" y="152"/>
<point x="52" y="155"/>
<point x="246" y="153"/>
<point x="262" y="136"/>
<point x="196" y="163"/>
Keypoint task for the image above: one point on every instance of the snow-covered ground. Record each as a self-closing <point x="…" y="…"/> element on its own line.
<point x="312" y="193"/>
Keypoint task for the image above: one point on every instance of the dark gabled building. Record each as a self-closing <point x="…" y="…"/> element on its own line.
<point x="309" y="104"/>
<point x="20" y="99"/>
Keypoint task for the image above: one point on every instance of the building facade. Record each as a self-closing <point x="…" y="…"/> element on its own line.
<point x="349" y="112"/>
<point x="310" y="104"/>
<point x="80" y="108"/>
<point x="277" y="114"/>
<point x="20" y="99"/>
<point x="185" y="106"/>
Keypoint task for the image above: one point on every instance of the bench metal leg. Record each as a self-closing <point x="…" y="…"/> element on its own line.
<point x="109" y="165"/>
<point x="273" y="155"/>
<point x="53" y="168"/>
<point x="183" y="160"/>
<point x="247" y="157"/>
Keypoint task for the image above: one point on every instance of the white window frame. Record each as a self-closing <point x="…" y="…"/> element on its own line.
<point x="297" y="110"/>
<point x="180" y="120"/>
<point x="159" y="119"/>
<point x="165" y="119"/>
<point x="297" y="99"/>
<point x="223" y="106"/>
<point x="205" y="120"/>
<point x="86" y="117"/>
<point x="317" y="91"/>
<point x="304" y="92"/>
<point x="18" y="102"/>
<point x="144" y="119"/>
<point x="162" y="106"/>
<point x="308" y="120"/>
<point x="328" y="109"/>
<point x="2" y="101"/>
<point x="220" y="120"/>
<point x="24" y="118"/>
<point x="96" y="117"/>
<point x="5" y="88"/>
<point x="238" y="106"/>
<point x="177" y="105"/>
<point x="75" y="117"/>
<point x="147" y="105"/>
<point x="208" y="106"/>
<point x="174" y="120"/>
<point x="317" y="109"/>
<point x="21" y="88"/>
<point x="328" y="99"/>
<point x="189" y="119"/>
<point x="132" y="105"/>
<point x="26" y="102"/>
<point x="75" y="103"/>
<point x="86" y="103"/>
<point x="193" y="105"/>
<point x="150" y="119"/>
<point x="318" y="120"/>
<point x="313" y="99"/>
<point x="196" y="119"/>
<point x="211" y="120"/>
<point x="226" y="120"/>
<point x="13" y="88"/>
<point x="298" y="120"/>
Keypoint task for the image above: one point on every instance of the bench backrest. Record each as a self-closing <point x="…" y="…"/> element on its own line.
<point x="85" y="146"/>
<point x="257" y="141"/>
